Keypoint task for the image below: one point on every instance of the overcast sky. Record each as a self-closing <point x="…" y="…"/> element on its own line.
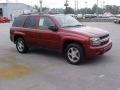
<point x="60" y="3"/>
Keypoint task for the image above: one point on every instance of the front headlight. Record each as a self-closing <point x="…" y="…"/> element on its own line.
<point x="95" y="41"/>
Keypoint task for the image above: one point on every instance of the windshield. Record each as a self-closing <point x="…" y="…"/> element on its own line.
<point x="67" y="21"/>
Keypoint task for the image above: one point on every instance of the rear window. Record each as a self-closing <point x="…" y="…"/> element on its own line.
<point x="18" y="21"/>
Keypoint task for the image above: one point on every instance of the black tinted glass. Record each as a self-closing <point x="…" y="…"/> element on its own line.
<point x="30" y="21"/>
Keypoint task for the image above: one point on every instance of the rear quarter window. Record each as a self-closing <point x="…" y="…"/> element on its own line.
<point x="18" y="21"/>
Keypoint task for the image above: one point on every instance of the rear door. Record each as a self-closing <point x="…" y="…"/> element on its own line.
<point x="17" y="27"/>
<point x="30" y="30"/>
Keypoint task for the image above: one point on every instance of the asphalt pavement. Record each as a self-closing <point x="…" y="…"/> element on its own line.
<point x="46" y="70"/>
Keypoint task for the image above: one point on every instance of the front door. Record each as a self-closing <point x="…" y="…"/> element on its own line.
<point x="48" y="38"/>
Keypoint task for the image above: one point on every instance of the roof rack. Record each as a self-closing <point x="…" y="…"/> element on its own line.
<point x="38" y="13"/>
<point x="33" y="13"/>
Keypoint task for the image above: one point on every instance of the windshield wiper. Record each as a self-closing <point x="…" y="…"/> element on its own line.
<point x="78" y="25"/>
<point x="68" y="26"/>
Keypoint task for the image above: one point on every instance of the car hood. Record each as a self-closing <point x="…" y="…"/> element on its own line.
<point x="89" y="31"/>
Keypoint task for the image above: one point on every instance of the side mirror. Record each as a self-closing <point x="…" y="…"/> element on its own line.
<point x="53" y="28"/>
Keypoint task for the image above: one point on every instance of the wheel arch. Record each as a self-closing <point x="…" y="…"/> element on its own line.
<point x="16" y="37"/>
<point x="67" y="42"/>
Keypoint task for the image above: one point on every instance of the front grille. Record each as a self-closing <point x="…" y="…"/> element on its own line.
<point x="107" y="35"/>
<point x="104" y="39"/>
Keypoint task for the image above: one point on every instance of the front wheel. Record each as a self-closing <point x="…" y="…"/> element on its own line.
<point x="74" y="54"/>
<point x="21" y="46"/>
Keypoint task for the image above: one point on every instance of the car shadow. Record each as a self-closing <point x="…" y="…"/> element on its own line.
<point x="96" y="60"/>
<point x="45" y="52"/>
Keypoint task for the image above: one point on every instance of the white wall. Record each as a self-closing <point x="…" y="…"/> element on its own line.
<point x="9" y="8"/>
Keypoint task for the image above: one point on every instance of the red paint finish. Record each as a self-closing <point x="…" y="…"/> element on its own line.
<point x="36" y="37"/>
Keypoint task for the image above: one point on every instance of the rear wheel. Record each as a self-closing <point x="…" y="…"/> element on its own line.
<point x="74" y="54"/>
<point x="21" y="46"/>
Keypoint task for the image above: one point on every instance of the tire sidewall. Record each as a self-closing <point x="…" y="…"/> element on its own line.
<point x="80" y="49"/>
<point x="25" y="47"/>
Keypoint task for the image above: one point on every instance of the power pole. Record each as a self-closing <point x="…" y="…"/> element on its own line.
<point x="118" y="12"/>
<point x="41" y="6"/>
<point x="97" y="9"/>
<point x="103" y="7"/>
<point x="75" y="6"/>
<point x="86" y="7"/>
<point x="103" y="4"/>
<point x="66" y="5"/>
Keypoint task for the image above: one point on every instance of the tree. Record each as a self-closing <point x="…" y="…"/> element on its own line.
<point x="85" y="11"/>
<point x="115" y="9"/>
<point x="94" y="8"/>
<point x="100" y="10"/>
<point x="69" y="10"/>
<point x="108" y="8"/>
<point x="66" y="6"/>
<point x="112" y="8"/>
<point x="37" y="8"/>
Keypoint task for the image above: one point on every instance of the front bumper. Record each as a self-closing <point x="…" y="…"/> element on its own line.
<point x="95" y="51"/>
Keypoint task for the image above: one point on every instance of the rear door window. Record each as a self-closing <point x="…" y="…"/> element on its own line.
<point x="30" y="22"/>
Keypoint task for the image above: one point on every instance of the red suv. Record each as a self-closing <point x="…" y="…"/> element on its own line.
<point x="62" y="33"/>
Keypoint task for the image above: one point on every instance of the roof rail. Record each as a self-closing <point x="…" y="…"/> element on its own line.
<point x="33" y="13"/>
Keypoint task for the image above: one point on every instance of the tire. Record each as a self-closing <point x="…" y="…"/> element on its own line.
<point x="74" y="54"/>
<point x="115" y="21"/>
<point x="21" y="46"/>
<point x="118" y="22"/>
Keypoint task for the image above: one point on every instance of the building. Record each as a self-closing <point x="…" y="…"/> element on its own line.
<point x="10" y="10"/>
